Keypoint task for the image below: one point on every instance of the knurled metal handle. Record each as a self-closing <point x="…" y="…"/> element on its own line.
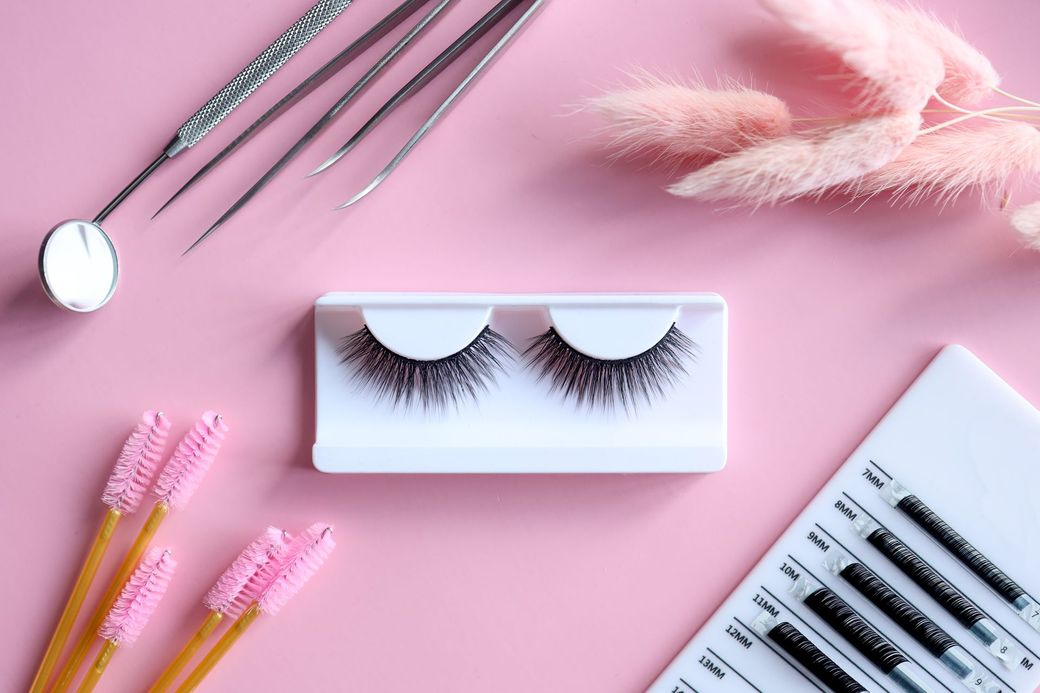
<point x="256" y="73"/>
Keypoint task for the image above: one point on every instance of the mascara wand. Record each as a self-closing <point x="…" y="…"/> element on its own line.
<point x="131" y="611"/>
<point x="177" y="482"/>
<point x="235" y="589"/>
<point x="132" y="475"/>
<point x="304" y="556"/>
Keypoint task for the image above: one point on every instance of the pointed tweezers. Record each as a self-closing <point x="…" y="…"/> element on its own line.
<point x="316" y="79"/>
<point x="425" y="76"/>
<point x="329" y="116"/>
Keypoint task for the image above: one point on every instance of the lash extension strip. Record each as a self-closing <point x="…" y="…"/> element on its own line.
<point x="858" y="633"/>
<point x="899" y="497"/>
<point x="913" y="622"/>
<point x="802" y="650"/>
<point x="914" y="603"/>
<point x="939" y="589"/>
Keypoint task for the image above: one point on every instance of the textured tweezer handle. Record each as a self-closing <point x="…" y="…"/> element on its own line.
<point x="256" y="73"/>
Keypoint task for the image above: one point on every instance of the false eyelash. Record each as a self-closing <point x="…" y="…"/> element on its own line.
<point x="973" y="559"/>
<point x="607" y="383"/>
<point x="903" y="557"/>
<point x="844" y="619"/>
<point x="803" y="651"/>
<point x="907" y="616"/>
<point x="432" y="384"/>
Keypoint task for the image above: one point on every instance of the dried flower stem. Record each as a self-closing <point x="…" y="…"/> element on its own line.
<point x="1006" y="117"/>
<point x="976" y="114"/>
<point x="1019" y="99"/>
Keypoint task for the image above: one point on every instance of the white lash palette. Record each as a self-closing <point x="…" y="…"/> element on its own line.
<point x="519" y="426"/>
<point x="967" y="445"/>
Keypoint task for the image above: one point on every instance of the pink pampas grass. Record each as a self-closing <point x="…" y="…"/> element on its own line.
<point x="138" y="460"/>
<point x="689" y="124"/>
<point x="191" y="460"/>
<point x="801" y="164"/>
<point x="248" y="574"/>
<point x="899" y="71"/>
<point x="1026" y="221"/>
<point x="136" y="603"/>
<point x="744" y="146"/>
<point x="944" y="164"/>
<point x="969" y="77"/>
<point x="305" y="555"/>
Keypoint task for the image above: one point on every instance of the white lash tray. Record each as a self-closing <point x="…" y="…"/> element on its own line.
<point x="519" y="426"/>
<point x="967" y="445"/>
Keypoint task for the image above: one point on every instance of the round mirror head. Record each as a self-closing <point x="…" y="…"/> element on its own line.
<point x="78" y="266"/>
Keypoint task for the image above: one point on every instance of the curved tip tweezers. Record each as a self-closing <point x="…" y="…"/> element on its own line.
<point x="450" y="54"/>
<point x="424" y="77"/>
<point x="425" y="128"/>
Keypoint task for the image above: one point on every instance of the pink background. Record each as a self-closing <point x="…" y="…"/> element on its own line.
<point x="445" y="583"/>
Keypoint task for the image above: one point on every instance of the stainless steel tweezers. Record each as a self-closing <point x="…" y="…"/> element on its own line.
<point x="472" y="35"/>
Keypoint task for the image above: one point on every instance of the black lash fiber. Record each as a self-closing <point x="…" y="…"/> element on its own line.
<point x="799" y="647"/>
<point x="842" y="618"/>
<point x="921" y="628"/>
<point x="434" y="384"/>
<point x="605" y="384"/>
<point x="903" y="557"/>
<point x="976" y="562"/>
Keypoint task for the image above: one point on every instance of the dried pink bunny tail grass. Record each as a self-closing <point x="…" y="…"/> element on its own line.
<point x="141" y="594"/>
<point x="946" y="163"/>
<point x="1026" y="221"/>
<point x="899" y="71"/>
<point x="248" y="574"/>
<point x="305" y="555"/>
<point x="689" y="124"/>
<point x="137" y="462"/>
<point x="191" y="460"/>
<point x="969" y="75"/>
<point x="802" y="164"/>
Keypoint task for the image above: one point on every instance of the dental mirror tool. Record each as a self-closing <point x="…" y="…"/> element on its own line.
<point x="77" y="264"/>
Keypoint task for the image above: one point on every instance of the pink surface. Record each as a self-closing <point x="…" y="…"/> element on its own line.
<point x="460" y="583"/>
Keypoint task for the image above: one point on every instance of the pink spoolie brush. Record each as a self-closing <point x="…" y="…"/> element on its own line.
<point x="306" y="553"/>
<point x="130" y="479"/>
<point x="131" y="611"/>
<point x="234" y="590"/>
<point x="177" y="482"/>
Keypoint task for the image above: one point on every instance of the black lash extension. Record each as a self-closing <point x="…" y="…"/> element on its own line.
<point x="939" y="589"/>
<point x="934" y="526"/>
<point x="858" y="633"/>
<point x="433" y="384"/>
<point x="802" y="650"/>
<point x="911" y="620"/>
<point x="607" y="383"/>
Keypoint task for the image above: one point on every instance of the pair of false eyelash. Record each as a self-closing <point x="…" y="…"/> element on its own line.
<point x="465" y="375"/>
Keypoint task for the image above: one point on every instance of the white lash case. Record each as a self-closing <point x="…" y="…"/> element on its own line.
<point x="519" y="426"/>
<point x="967" y="445"/>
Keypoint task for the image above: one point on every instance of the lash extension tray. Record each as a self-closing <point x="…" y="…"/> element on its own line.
<point x="967" y="446"/>
<point x="519" y="426"/>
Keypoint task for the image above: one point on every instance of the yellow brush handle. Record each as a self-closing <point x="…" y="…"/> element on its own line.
<point x="220" y="649"/>
<point x="166" y="679"/>
<point x="86" y="639"/>
<point x="94" y="673"/>
<point x="72" y="606"/>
